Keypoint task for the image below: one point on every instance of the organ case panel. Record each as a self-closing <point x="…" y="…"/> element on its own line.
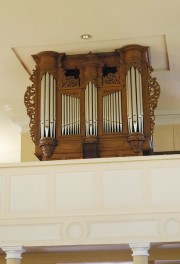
<point x="92" y="105"/>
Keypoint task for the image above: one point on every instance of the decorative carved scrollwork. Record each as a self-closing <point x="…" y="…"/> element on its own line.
<point x="70" y="81"/>
<point x="70" y="78"/>
<point x="29" y="101"/>
<point x="111" y="79"/>
<point x="154" y="93"/>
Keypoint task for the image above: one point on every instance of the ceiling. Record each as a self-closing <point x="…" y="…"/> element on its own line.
<point x="28" y="27"/>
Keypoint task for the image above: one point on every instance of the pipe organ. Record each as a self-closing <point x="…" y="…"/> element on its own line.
<point x="92" y="105"/>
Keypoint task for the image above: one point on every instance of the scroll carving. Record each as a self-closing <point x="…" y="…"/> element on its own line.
<point x="29" y="101"/>
<point x="70" y="81"/>
<point x="111" y="79"/>
<point x="154" y="93"/>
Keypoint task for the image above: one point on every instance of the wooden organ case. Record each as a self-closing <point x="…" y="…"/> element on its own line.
<point x="92" y="105"/>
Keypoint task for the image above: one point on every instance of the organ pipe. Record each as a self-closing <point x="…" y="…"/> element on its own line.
<point x="54" y="108"/>
<point x="48" y="106"/>
<point x="70" y="115"/>
<point x="134" y="100"/>
<point x="91" y="109"/>
<point x="112" y="113"/>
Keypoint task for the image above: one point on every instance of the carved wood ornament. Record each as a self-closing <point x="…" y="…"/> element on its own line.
<point x="92" y="105"/>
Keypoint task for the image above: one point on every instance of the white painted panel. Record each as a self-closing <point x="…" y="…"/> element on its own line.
<point x="92" y="197"/>
<point x="165" y="185"/>
<point x="30" y="232"/>
<point x="28" y="192"/>
<point x="122" y="187"/>
<point x="123" y="229"/>
<point x="74" y="190"/>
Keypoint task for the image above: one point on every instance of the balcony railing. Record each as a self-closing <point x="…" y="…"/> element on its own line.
<point x="95" y="201"/>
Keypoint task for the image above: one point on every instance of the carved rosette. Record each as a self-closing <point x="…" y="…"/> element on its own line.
<point x="29" y="101"/>
<point x="47" y="144"/>
<point x="136" y="139"/>
<point x="154" y="93"/>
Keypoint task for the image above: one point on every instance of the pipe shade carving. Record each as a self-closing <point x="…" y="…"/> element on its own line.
<point x="92" y="105"/>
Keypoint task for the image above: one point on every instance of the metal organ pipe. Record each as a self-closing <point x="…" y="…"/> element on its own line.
<point x="129" y="106"/>
<point x="86" y="111"/>
<point x="70" y="115"/>
<point x="42" y="113"/>
<point x="104" y="115"/>
<point x="75" y="115"/>
<point x="54" y="109"/>
<point x="47" y="124"/>
<point x="48" y="106"/>
<point x="141" y="103"/>
<point x="91" y="109"/>
<point x="109" y="113"/>
<point x="118" y="112"/>
<point x="120" y="127"/>
<point x="78" y="115"/>
<point x="134" y="100"/>
<point x="68" y="125"/>
<point x="112" y="113"/>
<point x="90" y="92"/>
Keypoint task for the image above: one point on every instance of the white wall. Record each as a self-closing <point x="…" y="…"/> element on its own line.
<point x="10" y="141"/>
